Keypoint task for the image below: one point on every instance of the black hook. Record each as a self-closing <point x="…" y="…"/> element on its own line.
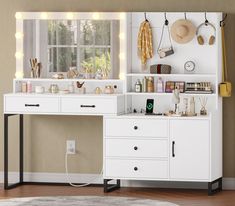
<point x="185" y="17"/>
<point x="145" y="16"/>
<point x="166" y="21"/>
<point x="222" y="22"/>
<point x="206" y="20"/>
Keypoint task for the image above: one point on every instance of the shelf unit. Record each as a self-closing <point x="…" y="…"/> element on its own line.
<point x="168" y="94"/>
<point x="170" y="75"/>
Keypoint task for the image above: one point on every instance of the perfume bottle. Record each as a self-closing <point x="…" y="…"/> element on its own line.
<point x="138" y="86"/>
<point x="160" y="85"/>
<point x="150" y="84"/>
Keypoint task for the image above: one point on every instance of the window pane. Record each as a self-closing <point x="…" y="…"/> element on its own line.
<point x="93" y="32"/>
<point x="62" y="32"/>
<point x="60" y="59"/>
<point x="86" y="59"/>
<point x="86" y="32"/>
<point x="102" y="32"/>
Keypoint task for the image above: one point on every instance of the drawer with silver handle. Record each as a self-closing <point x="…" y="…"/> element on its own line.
<point x="131" y="148"/>
<point x="31" y="104"/>
<point x="135" y="127"/>
<point x="141" y="169"/>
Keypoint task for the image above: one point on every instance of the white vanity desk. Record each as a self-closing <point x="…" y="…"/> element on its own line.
<point x="135" y="146"/>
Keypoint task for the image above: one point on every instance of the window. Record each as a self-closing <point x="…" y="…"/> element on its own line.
<point x="88" y="45"/>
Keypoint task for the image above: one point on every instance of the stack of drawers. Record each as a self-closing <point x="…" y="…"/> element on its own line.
<point x="135" y="148"/>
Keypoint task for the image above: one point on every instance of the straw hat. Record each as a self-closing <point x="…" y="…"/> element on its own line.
<point x="183" y="31"/>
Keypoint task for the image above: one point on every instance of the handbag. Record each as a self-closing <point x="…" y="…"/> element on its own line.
<point x="165" y="51"/>
<point x="225" y="87"/>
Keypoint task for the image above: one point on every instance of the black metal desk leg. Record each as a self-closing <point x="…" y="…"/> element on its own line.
<point x="5" y="151"/>
<point x="21" y="152"/>
<point x="21" y="160"/>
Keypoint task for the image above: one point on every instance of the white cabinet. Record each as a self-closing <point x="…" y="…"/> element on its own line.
<point x="176" y="149"/>
<point x="190" y="149"/>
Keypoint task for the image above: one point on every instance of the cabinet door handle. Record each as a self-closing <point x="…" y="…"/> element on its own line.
<point x="32" y="105"/>
<point x="135" y="168"/>
<point x="135" y="148"/>
<point x="173" y="149"/>
<point x="135" y="127"/>
<point x="87" y="106"/>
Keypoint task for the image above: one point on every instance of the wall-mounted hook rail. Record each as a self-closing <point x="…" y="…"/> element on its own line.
<point x="206" y="20"/>
<point x="166" y="21"/>
<point x="222" y="22"/>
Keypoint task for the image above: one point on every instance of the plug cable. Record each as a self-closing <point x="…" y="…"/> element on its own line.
<point x="68" y="178"/>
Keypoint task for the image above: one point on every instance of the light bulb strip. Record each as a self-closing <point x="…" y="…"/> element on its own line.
<point x="71" y="15"/>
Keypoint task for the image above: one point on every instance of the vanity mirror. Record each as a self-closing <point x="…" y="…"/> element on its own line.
<point x="91" y="43"/>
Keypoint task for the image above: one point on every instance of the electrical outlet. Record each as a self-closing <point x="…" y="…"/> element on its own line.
<point x="71" y="148"/>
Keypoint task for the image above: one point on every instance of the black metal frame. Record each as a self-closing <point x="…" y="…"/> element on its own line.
<point x="111" y="187"/>
<point x="212" y="190"/>
<point x="21" y="152"/>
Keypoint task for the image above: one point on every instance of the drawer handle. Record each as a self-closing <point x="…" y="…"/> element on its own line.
<point x="135" y="148"/>
<point x="135" y="127"/>
<point x="87" y="106"/>
<point x="135" y="168"/>
<point x="173" y="149"/>
<point x="32" y="105"/>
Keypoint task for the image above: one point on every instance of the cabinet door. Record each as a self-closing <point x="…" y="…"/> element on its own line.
<point x="189" y="157"/>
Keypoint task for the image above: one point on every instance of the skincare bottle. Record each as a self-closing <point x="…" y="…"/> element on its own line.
<point x="160" y="85"/>
<point x="150" y="84"/>
<point x="71" y="88"/>
<point x="192" y="106"/>
<point x="144" y="85"/>
<point x="29" y="87"/>
<point x="138" y="86"/>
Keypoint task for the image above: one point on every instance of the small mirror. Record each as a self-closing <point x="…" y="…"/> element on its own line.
<point x="89" y="46"/>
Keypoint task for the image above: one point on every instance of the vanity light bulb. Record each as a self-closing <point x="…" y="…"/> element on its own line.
<point x="18" y="15"/>
<point x="121" y="35"/>
<point x="122" y="56"/>
<point x="19" y="35"/>
<point x="121" y="76"/>
<point x="19" y="75"/>
<point x="44" y="15"/>
<point x="70" y="15"/>
<point x="96" y="16"/>
<point x="122" y="15"/>
<point x="19" y="55"/>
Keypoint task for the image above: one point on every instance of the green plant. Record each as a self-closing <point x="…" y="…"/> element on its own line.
<point x="102" y="63"/>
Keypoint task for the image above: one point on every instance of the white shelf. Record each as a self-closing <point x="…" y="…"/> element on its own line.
<point x="67" y="80"/>
<point x="167" y="94"/>
<point x="169" y="75"/>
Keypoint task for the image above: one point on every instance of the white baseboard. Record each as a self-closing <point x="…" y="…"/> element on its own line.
<point x="228" y="183"/>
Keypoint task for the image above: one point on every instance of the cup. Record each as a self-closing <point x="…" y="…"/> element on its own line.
<point x="39" y="89"/>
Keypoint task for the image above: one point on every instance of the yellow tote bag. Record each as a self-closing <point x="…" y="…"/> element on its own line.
<point x="225" y="87"/>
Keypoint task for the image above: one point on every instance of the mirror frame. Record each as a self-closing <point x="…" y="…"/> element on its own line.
<point x="21" y="16"/>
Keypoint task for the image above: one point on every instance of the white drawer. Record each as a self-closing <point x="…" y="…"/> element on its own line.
<point x="29" y="104"/>
<point x="136" y="168"/>
<point x="136" y="127"/>
<point x="91" y="105"/>
<point x="136" y="148"/>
